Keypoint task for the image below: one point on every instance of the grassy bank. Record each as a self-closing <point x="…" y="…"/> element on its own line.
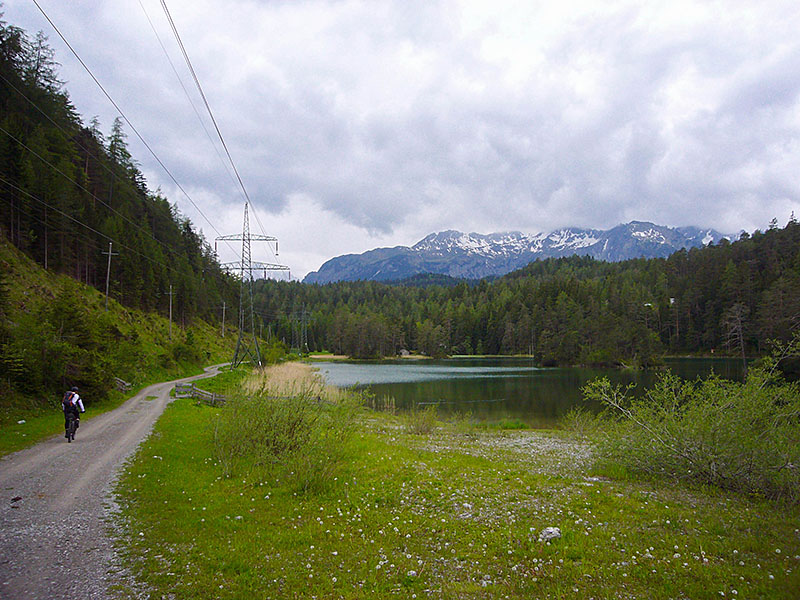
<point x="56" y="333"/>
<point x="456" y="513"/>
<point x="23" y="427"/>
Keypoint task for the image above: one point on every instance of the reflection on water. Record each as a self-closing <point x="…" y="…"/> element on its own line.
<point x="493" y="389"/>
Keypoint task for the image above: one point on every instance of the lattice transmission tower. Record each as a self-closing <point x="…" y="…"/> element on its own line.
<point x="247" y="343"/>
<point x="300" y="321"/>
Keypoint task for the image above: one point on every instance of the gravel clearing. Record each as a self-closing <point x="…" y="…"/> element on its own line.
<point x="541" y="452"/>
<point x="56" y="497"/>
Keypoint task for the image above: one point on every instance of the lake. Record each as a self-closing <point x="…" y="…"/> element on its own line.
<point x="498" y="388"/>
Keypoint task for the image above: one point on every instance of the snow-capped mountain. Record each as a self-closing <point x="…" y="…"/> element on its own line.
<point x="474" y="256"/>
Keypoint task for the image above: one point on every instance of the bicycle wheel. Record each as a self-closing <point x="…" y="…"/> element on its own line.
<point x="71" y="429"/>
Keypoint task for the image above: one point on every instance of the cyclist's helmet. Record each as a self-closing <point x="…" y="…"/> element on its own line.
<point x="74" y="389"/>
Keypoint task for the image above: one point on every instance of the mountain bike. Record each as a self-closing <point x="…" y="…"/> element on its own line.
<point x="72" y="425"/>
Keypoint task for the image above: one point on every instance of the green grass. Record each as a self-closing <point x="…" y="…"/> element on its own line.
<point x="25" y="428"/>
<point x="142" y="355"/>
<point x="445" y="515"/>
<point x="226" y="381"/>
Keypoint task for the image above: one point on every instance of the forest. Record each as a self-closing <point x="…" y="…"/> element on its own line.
<point x="728" y="299"/>
<point x="69" y="195"/>
<point x="67" y="191"/>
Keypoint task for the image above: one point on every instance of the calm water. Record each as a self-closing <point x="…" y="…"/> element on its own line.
<point x="493" y="389"/>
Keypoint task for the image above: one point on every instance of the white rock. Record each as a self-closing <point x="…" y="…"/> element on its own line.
<point x="549" y="533"/>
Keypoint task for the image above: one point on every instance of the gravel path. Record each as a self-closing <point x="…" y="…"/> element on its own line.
<point x="54" y="498"/>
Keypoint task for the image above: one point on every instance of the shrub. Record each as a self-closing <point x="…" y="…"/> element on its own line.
<point x="421" y="421"/>
<point x="274" y="352"/>
<point x="512" y="425"/>
<point x="462" y="422"/>
<point x="740" y="436"/>
<point x="580" y="421"/>
<point x="285" y="423"/>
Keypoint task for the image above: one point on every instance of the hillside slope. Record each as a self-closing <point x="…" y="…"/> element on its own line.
<point x="67" y="191"/>
<point x="55" y="333"/>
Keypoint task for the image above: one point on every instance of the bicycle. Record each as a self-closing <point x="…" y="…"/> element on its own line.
<point x="72" y="425"/>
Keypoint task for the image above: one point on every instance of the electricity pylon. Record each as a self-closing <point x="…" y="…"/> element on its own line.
<point x="300" y="331"/>
<point x="247" y="343"/>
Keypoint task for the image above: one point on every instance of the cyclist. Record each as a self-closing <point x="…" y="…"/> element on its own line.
<point x="71" y="403"/>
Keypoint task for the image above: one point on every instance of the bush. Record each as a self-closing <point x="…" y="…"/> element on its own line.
<point x="739" y="436"/>
<point x="580" y="421"/>
<point x="274" y="353"/>
<point x="462" y="423"/>
<point x="285" y="424"/>
<point x="421" y="421"/>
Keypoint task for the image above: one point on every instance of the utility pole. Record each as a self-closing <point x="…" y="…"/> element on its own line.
<point x="108" y="269"/>
<point x="304" y="330"/>
<point x="170" y="311"/>
<point x="223" y="318"/>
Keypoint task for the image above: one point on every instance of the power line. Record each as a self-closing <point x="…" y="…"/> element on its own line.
<point x="86" y="241"/>
<point x="78" y="221"/>
<point x="80" y="186"/>
<point x="93" y="196"/>
<point x="246" y="347"/>
<point x="122" y="114"/>
<point x="186" y="92"/>
<point x="87" y="150"/>
<point x="108" y="271"/>
<point x="211" y="114"/>
<point x="68" y="133"/>
<point x="196" y="79"/>
<point x="202" y="95"/>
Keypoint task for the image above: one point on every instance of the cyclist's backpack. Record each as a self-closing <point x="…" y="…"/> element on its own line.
<point x="68" y="400"/>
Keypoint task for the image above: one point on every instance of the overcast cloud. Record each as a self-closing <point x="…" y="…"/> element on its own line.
<point x="362" y="124"/>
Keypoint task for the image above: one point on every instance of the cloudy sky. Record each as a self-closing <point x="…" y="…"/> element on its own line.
<point x="358" y="124"/>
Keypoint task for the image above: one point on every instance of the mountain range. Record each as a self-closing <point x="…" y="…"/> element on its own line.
<point x="475" y="256"/>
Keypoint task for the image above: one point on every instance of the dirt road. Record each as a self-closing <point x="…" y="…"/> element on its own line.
<point x="55" y="496"/>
